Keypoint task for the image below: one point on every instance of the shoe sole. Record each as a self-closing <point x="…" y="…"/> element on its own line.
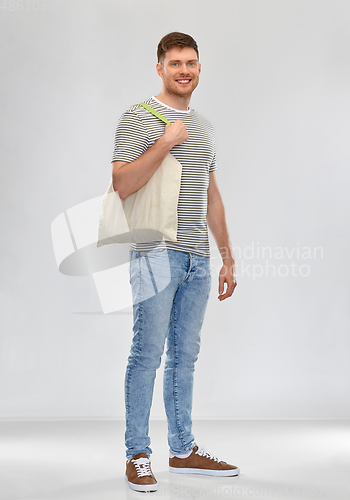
<point x="208" y="472"/>
<point x="142" y="487"/>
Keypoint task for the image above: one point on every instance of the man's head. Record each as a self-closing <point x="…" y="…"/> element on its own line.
<point x="178" y="64"/>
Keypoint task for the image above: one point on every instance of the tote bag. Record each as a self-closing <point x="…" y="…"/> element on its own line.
<point x="149" y="214"/>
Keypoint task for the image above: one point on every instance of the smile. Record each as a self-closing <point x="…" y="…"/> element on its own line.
<point x="183" y="81"/>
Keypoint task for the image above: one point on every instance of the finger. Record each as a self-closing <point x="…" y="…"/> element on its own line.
<point x="230" y="289"/>
<point x="224" y="296"/>
<point x="221" y="284"/>
<point x="224" y="289"/>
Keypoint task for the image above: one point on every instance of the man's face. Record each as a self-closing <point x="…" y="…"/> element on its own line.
<point x="180" y="71"/>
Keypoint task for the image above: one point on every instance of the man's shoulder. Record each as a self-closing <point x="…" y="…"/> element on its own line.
<point x="201" y="118"/>
<point x="137" y="108"/>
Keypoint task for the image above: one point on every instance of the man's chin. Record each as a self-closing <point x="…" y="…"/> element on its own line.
<point x="183" y="92"/>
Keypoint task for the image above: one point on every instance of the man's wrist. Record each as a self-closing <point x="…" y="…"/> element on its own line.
<point x="226" y="254"/>
<point x="228" y="260"/>
<point x="165" y="143"/>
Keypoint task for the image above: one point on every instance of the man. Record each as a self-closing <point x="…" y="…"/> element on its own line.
<point x="176" y="312"/>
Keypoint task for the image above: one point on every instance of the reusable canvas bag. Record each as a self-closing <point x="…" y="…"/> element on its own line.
<point x="149" y="214"/>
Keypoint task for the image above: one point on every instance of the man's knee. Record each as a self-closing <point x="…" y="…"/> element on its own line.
<point x="149" y="360"/>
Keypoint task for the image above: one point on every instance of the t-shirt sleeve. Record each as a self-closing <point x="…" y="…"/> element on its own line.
<point x="213" y="165"/>
<point x="131" y="139"/>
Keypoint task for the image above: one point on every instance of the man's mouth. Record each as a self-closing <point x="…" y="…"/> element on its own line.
<point x="184" y="81"/>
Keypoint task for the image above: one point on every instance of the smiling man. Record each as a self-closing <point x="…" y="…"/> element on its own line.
<point x="175" y="314"/>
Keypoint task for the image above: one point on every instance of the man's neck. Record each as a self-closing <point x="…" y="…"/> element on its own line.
<point x="174" y="101"/>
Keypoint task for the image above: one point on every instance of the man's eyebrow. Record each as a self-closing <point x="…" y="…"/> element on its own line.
<point x="179" y="60"/>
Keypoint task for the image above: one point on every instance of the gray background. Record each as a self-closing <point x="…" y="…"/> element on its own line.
<point x="275" y="83"/>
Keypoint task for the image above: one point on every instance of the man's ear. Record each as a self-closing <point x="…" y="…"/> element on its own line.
<point x="199" y="68"/>
<point x="159" y="68"/>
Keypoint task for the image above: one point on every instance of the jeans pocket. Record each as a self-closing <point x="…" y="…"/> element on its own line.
<point x="153" y="252"/>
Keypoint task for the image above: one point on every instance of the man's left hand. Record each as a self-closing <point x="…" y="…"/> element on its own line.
<point x="227" y="275"/>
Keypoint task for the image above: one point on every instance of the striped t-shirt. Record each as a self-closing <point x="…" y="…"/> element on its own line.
<point x="137" y="130"/>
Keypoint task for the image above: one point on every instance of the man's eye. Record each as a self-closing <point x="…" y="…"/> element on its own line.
<point x="174" y="64"/>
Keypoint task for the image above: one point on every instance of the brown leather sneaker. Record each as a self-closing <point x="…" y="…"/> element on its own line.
<point x="139" y="474"/>
<point x="200" y="462"/>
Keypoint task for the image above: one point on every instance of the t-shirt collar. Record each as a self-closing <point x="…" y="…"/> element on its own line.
<point x="169" y="107"/>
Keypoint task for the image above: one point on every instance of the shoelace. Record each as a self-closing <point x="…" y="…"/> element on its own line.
<point x="142" y="466"/>
<point x="201" y="451"/>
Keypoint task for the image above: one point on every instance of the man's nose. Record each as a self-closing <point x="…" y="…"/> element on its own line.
<point x="184" y="69"/>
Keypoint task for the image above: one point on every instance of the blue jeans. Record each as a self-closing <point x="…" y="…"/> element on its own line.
<point x="170" y="292"/>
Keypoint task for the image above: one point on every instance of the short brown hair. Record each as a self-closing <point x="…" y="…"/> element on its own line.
<point x="175" y="39"/>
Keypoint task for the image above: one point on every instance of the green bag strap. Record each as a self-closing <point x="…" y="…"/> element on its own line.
<point x="155" y="113"/>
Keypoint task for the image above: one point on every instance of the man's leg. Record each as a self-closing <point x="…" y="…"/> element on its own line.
<point x="183" y="344"/>
<point x="153" y="288"/>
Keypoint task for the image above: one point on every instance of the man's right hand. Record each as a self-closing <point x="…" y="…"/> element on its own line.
<point x="175" y="133"/>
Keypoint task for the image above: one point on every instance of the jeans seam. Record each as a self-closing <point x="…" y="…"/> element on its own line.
<point x="188" y="272"/>
<point x="177" y="413"/>
<point x="137" y="346"/>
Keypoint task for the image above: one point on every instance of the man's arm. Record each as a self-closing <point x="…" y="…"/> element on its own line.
<point x="217" y="224"/>
<point x="130" y="177"/>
